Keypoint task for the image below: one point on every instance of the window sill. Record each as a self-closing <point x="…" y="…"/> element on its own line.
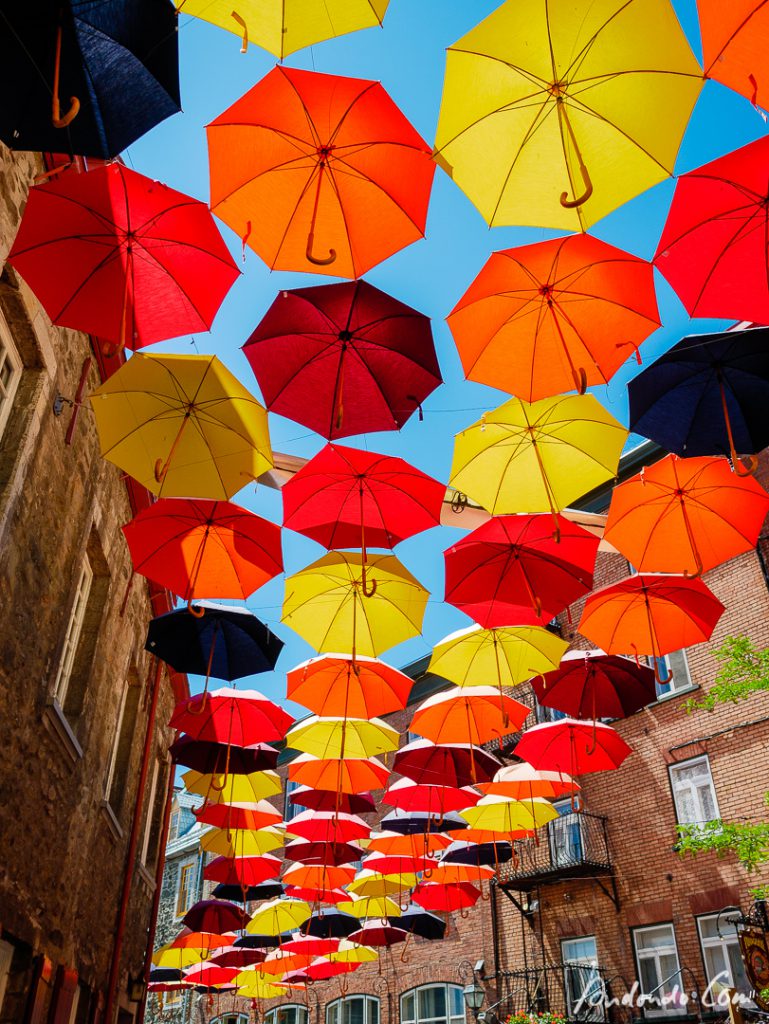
<point x="57" y="724"/>
<point x="146" y="877"/>
<point x="114" y="825"/>
<point x="683" y="692"/>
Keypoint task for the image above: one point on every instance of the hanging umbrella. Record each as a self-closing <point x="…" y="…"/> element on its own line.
<point x="372" y="907"/>
<point x="65" y="54"/>
<point x="246" y="816"/>
<point x="215" y="916"/>
<point x="391" y="864"/>
<point x="333" y="922"/>
<point x="418" y="822"/>
<point x="591" y="684"/>
<point x="255" y="986"/>
<point x="418" y="922"/>
<point x="513" y="569"/>
<point x="431" y="798"/>
<point x="321" y="851"/>
<point x="337" y="685"/>
<point x="122" y="257"/>
<point x="445" y="898"/>
<point x="210" y="975"/>
<point x="142" y="411"/>
<point x="375" y="884"/>
<point x="455" y="874"/>
<point x="685" y="515"/>
<point x="318" y="876"/>
<point x="522" y="782"/>
<point x="241" y="842"/>
<point x="280" y="963"/>
<point x="397" y="845"/>
<point x="240" y="958"/>
<point x="219" y="640"/>
<point x="476" y="714"/>
<point x="322" y="969"/>
<point x="460" y="764"/>
<point x="480" y="854"/>
<point x="262" y="941"/>
<point x="503" y="816"/>
<point x="248" y="893"/>
<point x="279" y="916"/>
<point x="530" y="458"/>
<point x="326" y="800"/>
<point x="375" y="934"/>
<point x="504" y="656"/>
<point x="175" y="957"/>
<point x="353" y="953"/>
<point x="327" y="827"/>
<point x="340" y="737"/>
<point x="714" y="249"/>
<point x="554" y="117"/>
<point x="331" y="606"/>
<point x="574" y="747"/>
<point x="650" y="615"/>
<point x="223" y="759"/>
<point x="319" y="154"/>
<point x="347" y="775"/>
<point x="733" y="37"/>
<point x="707" y="396"/>
<point x="161" y="974"/>
<point x="201" y="942"/>
<point x="311" y="945"/>
<point x="344" y="359"/>
<point x="235" y="789"/>
<point x="553" y="316"/>
<point x="231" y="716"/>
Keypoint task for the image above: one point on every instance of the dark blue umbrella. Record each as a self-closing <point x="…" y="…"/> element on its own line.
<point x="707" y="396"/>
<point x="265" y="891"/>
<point x="477" y="854"/>
<point x="262" y="941"/>
<point x="225" y="641"/>
<point x="113" y="65"/>
<point x="416" y="822"/>
<point x="165" y="974"/>
<point x="331" y="924"/>
<point x="420" y="922"/>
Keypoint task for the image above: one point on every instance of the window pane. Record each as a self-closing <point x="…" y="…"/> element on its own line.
<point x="407" y="1007"/>
<point x="457" y="1001"/>
<point x="353" y="1010"/>
<point x="373" y="1011"/>
<point x="432" y="1002"/>
<point x="649" y="978"/>
<point x="655" y="938"/>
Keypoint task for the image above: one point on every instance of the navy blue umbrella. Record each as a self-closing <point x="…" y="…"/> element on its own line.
<point x="264" y="891"/>
<point x="225" y="641"/>
<point x="416" y="822"/>
<point x="331" y="924"/>
<point x="708" y="395"/>
<point x="477" y="854"/>
<point x="165" y="974"/>
<point x="112" y="67"/>
<point x="420" y="922"/>
<point x="262" y="941"/>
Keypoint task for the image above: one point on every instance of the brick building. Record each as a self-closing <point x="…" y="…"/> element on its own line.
<point x="84" y="775"/>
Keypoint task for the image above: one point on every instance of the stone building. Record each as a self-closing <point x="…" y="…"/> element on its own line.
<point x="83" y="709"/>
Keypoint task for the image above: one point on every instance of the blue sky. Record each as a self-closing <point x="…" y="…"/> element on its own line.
<point x="407" y="55"/>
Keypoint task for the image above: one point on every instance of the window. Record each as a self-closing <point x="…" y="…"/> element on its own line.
<point x="184" y="888"/>
<point x="10" y="373"/>
<point x="119" y="762"/>
<point x="565" y="836"/>
<point x="291" y="1013"/>
<point x="173" y="828"/>
<point x="659" y="972"/>
<point x="353" y="1010"/>
<point x="149" y="807"/>
<point x="433" y="1004"/>
<point x="74" y="628"/>
<point x="231" y="1018"/>
<point x="582" y="982"/>
<point x="155" y="810"/>
<point x="694" y="795"/>
<point x="721" y="953"/>
<point x="290" y="810"/>
<point x="170" y="1000"/>
<point x="674" y="669"/>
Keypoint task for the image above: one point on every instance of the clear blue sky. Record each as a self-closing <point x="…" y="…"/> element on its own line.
<point x="407" y="55"/>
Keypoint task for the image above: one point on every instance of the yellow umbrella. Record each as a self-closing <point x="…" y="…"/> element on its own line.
<point x="505" y="656"/>
<point x="283" y="26"/>
<point x="371" y="906"/>
<point x="372" y="883"/>
<point x="183" y="426"/>
<point x="241" y="842"/>
<point x="176" y="957"/>
<point x="254" y="985"/>
<point x="341" y="738"/>
<point x="538" y="457"/>
<point x="503" y="816"/>
<point x="554" y="114"/>
<point x="233" y="789"/>
<point x="351" y="953"/>
<point x="283" y="914"/>
<point x="333" y="608"/>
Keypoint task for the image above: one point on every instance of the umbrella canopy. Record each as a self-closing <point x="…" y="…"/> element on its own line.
<point x="376" y="884"/>
<point x="319" y="876"/>
<point x="279" y="916"/>
<point x="248" y="893"/>
<point x="321" y="969"/>
<point x="326" y="800"/>
<point x="396" y="845"/>
<point x="260" y="941"/>
<point x="505" y="655"/>
<point x="530" y="458"/>
<point x="347" y="498"/>
<point x="685" y="515"/>
<point x="322" y="851"/>
<point x="455" y="874"/>
<point x="650" y="614"/>
<point x="342" y="737"/>
<point x="459" y="764"/>
<point x="417" y="921"/>
<point x="255" y="986"/>
<point x="591" y="684"/>
<point x="210" y="975"/>
<point x="445" y="898"/>
<point x="341" y="178"/>
<point x="327" y="827"/>
<point x="142" y="412"/>
<point x="340" y="603"/>
<point x="174" y="957"/>
<point x="503" y="816"/>
<point x="348" y="775"/>
<point x="364" y="907"/>
<point x="282" y="28"/>
<point x="480" y="854"/>
<point x="234" y="789"/>
<point x="239" y="958"/>
<point x="231" y="716"/>
<point x="714" y="249"/>
<point x="554" y="118"/>
<point x="353" y="953"/>
<point x="522" y="782"/>
<point x="63" y="55"/>
<point x="513" y="569"/>
<point x="432" y="799"/>
<point x="123" y="257"/>
<point x="241" y="842"/>
<point x="417" y="822"/>
<point x="574" y="747"/>
<point x="732" y="43"/>
<point x="248" y="816"/>
<point x="553" y="316"/>
<point x="207" y="548"/>
<point x="215" y="916"/>
<point x="474" y="714"/>
<point x="374" y="933"/>
<point x="223" y="759"/>
<point x="331" y="923"/>
<point x="221" y="640"/>
<point x="336" y="685"/>
<point x="344" y="359"/>
<point x="391" y="864"/>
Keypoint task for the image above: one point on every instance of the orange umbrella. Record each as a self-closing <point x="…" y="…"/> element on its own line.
<point x="522" y="782"/>
<point x="452" y="874"/>
<point x="553" y="316"/>
<point x="650" y="614"/>
<point x="319" y="173"/>
<point x="734" y="45"/>
<point x="473" y="715"/>
<point x="485" y="835"/>
<point x="319" y="876"/>
<point x="348" y="775"/>
<point x="685" y="515"/>
<point x="417" y="844"/>
<point x="336" y="685"/>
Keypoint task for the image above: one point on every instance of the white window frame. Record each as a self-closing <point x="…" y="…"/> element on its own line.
<point x="723" y="942"/>
<point x="591" y="1007"/>
<point x="6" y="958"/>
<point x="74" y="630"/>
<point x="9" y="357"/>
<point x="335" y="1009"/>
<point x="190" y="890"/>
<point x="290" y="810"/>
<point x="150" y="805"/>
<point x="115" y="743"/>
<point x="450" y="1018"/>
<point x="678" y="788"/>
<point x="666" y="982"/>
<point x="302" y="1015"/>
<point x="675" y="668"/>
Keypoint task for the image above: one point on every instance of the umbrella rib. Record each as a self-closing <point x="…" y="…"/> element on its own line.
<point x="543" y="111"/>
<point x="743" y="229"/>
<point x="733" y="36"/>
<point x="154" y="261"/>
<point x="355" y="171"/>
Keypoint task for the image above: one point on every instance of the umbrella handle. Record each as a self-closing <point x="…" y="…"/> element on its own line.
<point x="367" y="586"/>
<point x="202" y="703"/>
<point x="458" y="502"/>
<point x="74" y="103"/>
<point x="570" y="204"/>
<point x="195" y="610"/>
<point x="699" y="569"/>
<point x="244" y="26"/>
<point x="660" y="680"/>
<point x="579" y="375"/>
<point x="746" y="467"/>
<point x="464" y="913"/>
<point x="749" y="467"/>
<point x="318" y="260"/>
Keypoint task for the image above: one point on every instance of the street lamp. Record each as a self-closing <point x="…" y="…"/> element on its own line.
<point x="473" y="995"/>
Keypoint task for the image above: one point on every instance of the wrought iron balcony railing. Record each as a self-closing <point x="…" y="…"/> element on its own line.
<point x="572" y="845"/>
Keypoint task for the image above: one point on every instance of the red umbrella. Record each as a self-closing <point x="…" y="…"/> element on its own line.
<point x="454" y="896"/>
<point x="511" y="570"/>
<point x="591" y="684"/>
<point x="235" y="717"/>
<point x="319" y="970"/>
<point x="215" y="916"/>
<point x="575" y="748"/>
<point x="326" y="800"/>
<point x="328" y="827"/>
<point x="200" y="548"/>
<point x="343" y="359"/>
<point x="375" y="934"/>
<point x="334" y="853"/>
<point x="210" y="975"/>
<point x="395" y="864"/>
<point x="460" y="764"/>
<point x="714" y="249"/>
<point x="242" y="870"/>
<point x="239" y="956"/>
<point x="311" y="945"/>
<point x="431" y="798"/>
<point x="122" y="257"/>
<point x="249" y="816"/>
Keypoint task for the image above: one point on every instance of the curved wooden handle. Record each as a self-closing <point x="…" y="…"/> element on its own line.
<point x="244" y="26"/>
<point x="570" y="204"/>
<point x="69" y="117"/>
<point x="580" y="377"/>
<point x="318" y="260"/>
<point x="660" y="680"/>
<point x="195" y="610"/>
<point x="746" y="467"/>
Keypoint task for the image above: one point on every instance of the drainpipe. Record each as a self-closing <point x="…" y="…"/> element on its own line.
<point x="133" y="843"/>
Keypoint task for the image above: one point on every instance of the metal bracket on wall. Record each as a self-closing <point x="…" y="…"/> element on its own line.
<point x="524" y="911"/>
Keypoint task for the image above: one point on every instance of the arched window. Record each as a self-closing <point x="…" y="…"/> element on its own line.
<point x="433" y="1004"/>
<point x="291" y="1013"/>
<point x="231" y="1018"/>
<point x="353" y="1010"/>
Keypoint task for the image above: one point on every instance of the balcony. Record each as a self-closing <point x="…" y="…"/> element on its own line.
<point x="574" y="845"/>
<point x="582" y="993"/>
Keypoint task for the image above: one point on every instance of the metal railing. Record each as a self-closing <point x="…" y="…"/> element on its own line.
<point x="579" y="992"/>
<point x="572" y="844"/>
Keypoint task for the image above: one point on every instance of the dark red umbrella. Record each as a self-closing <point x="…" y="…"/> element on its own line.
<point x="460" y="764"/>
<point x="215" y="916"/>
<point x="375" y="934"/>
<point x="325" y="800"/>
<point x="242" y="958"/>
<point x="123" y="257"/>
<point x="575" y="748"/>
<point x="511" y="570"/>
<point x="242" y="870"/>
<point x="343" y="359"/>
<point x="332" y="854"/>
<point x="222" y="758"/>
<point x="591" y="684"/>
<point x="714" y="248"/>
